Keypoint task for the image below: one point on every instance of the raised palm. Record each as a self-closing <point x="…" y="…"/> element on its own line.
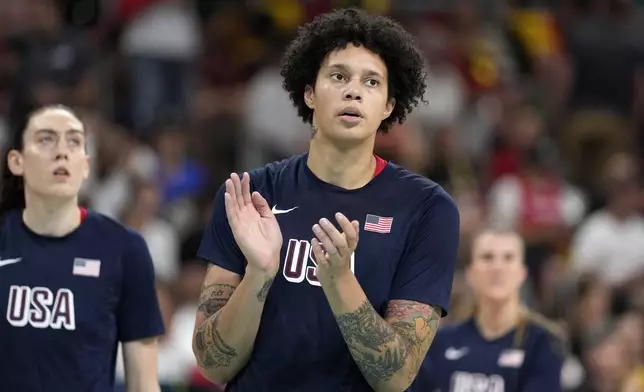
<point x="254" y="226"/>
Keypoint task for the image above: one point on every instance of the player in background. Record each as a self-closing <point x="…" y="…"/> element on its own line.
<point x="503" y="347"/>
<point x="331" y="269"/>
<point x="73" y="283"/>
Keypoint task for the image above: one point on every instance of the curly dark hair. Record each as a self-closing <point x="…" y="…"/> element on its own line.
<point x="379" y="34"/>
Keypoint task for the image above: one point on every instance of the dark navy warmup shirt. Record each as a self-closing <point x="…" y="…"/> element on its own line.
<point x="66" y="302"/>
<point x="409" y="231"/>
<point x="461" y="360"/>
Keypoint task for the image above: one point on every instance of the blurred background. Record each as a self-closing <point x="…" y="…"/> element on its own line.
<point x="534" y="122"/>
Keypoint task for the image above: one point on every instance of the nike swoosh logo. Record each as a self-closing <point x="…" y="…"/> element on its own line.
<point x="277" y="212"/>
<point x="454" y="354"/>
<point x="9" y="261"/>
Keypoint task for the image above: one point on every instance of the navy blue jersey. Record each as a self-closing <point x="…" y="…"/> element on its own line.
<point x="67" y="301"/>
<point x="409" y="229"/>
<point x="527" y="359"/>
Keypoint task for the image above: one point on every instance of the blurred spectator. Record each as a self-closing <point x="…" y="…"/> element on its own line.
<point x="52" y="58"/>
<point x="161" y="41"/>
<point x="606" y="57"/>
<point x="180" y="175"/>
<point x="591" y="311"/>
<point x="118" y="162"/>
<point x="611" y="366"/>
<point x="160" y="236"/>
<point x="608" y="243"/>
<point x="273" y="128"/>
<point x="531" y="196"/>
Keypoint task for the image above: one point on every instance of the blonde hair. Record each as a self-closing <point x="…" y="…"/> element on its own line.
<point x="497" y="231"/>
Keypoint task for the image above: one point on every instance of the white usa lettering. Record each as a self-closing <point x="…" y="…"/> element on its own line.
<point x="41" y="308"/>
<point x="477" y="382"/>
<point x="296" y="265"/>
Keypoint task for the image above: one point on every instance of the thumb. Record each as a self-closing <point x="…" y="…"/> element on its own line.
<point x="261" y="205"/>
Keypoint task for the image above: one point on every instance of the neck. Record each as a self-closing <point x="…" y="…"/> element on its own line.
<point x="495" y="320"/>
<point x="348" y="168"/>
<point x="55" y="219"/>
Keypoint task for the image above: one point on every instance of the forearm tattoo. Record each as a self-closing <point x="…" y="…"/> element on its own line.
<point x="373" y="343"/>
<point x="417" y="324"/>
<point x="381" y="349"/>
<point x="214" y="297"/>
<point x="263" y="292"/>
<point x="212" y="350"/>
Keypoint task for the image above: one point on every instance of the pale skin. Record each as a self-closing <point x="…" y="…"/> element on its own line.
<point x="496" y="274"/>
<point x="140" y="360"/>
<point x="55" y="138"/>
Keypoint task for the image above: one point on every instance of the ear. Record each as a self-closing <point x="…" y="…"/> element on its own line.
<point x="309" y="97"/>
<point x="389" y="108"/>
<point x="15" y="162"/>
<point x="87" y="169"/>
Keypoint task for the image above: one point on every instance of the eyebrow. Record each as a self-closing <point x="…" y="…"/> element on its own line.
<point x="48" y="130"/>
<point x="345" y="68"/>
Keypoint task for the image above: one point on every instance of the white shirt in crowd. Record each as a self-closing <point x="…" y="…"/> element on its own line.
<point x="610" y="247"/>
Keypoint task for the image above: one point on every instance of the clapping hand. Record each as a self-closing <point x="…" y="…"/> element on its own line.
<point x="254" y="226"/>
<point x="332" y="248"/>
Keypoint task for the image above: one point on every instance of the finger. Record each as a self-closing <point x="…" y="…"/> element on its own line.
<point x="326" y="241"/>
<point x="356" y="227"/>
<point x="349" y="230"/>
<point x="239" y="198"/>
<point x="320" y="257"/>
<point x="230" y="190"/>
<point x="245" y="188"/>
<point x="338" y="239"/>
<point x="261" y="205"/>
<point x="231" y="209"/>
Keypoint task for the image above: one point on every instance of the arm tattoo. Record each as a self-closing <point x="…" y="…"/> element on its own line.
<point x="417" y="324"/>
<point x="374" y="345"/>
<point x="214" y="351"/>
<point x="214" y="297"/>
<point x="381" y="348"/>
<point x="263" y="293"/>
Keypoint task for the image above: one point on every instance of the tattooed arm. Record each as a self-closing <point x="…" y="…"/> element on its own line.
<point x="388" y="351"/>
<point x="228" y="318"/>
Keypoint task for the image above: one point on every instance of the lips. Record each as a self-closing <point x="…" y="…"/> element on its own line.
<point x="61" y="172"/>
<point x="351" y="112"/>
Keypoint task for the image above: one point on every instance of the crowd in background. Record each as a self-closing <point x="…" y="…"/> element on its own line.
<point x="533" y="121"/>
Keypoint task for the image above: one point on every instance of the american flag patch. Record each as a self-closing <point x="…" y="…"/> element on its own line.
<point x="378" y="224"/>
<point x="87" y="267"/>
<point x="511" y="358"/>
